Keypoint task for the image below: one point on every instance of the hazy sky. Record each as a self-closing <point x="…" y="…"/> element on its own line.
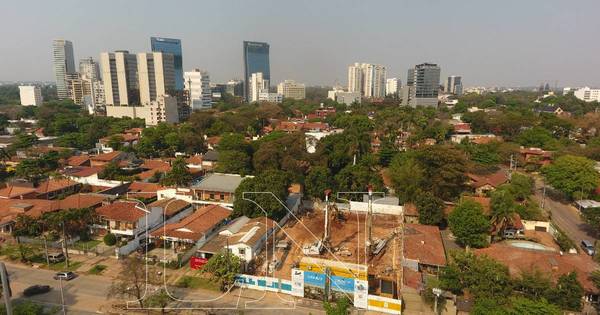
<point x="520" y="42"/>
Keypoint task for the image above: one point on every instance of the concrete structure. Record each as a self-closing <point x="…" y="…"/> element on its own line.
<point x="119" y="77"/>
<point x="422" y="85"/>
<point x="64" y="63"/>
<point x="392" y="86"/>
<point x="235" y="87"/>
<point x="258" y="84"/>
<point x="197" y="85"/>
<point x="30" y="95"/>
<point x="343" y="97"/>
<point x="264" y="96"/>
<point x="368" y="79"/>
<point x="156" y="75"/>
<point x="171" y="46"/>
<point x="163" y="109"/>
<point x="587" y="94"/>
<point x="89" y="68"/>
<point x="291" y="89"/>
<point x="454" y="85"/>
<point x="256" y="59"/>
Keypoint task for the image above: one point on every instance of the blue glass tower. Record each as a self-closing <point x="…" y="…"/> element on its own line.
<point x="256" y="59"/>
<point x="171" y="46"/>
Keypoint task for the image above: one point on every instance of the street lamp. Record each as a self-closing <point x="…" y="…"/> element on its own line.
<point x="437" y="292"/>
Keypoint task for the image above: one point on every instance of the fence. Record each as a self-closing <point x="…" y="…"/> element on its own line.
<point x="40" y="242"/>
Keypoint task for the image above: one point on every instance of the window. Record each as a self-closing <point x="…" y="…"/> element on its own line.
<point x="222" y="197"/>
<point x="242" y="251"/>
<point x="211" y="196"/>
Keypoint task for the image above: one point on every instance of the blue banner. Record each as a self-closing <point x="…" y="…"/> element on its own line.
<point x="314" y="279"/>
<point x="342" y="284"/>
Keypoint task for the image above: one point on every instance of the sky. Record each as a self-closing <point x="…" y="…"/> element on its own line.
<point x="489" y="43"/>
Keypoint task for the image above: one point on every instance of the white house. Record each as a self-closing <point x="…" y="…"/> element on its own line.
<point x="250" y="239"/>
<point x="127" y="218"/>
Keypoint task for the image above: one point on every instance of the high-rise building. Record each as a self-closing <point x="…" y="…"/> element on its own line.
<point x="89" y="68"/>
<point x="197" y="85"/>
<point x="392" y="86"/>
<point x="256" y="60"/>
<point x="587" y="94"/>
<point x="30" y="95"/>
<point x="454" y="85"/>
<point x="368" y="79"/>
<point x="120" y="78"/>
<point x="235" y="87"/>
<point x="64" y="63"/>
<point x="156" y="75"/>
<point x="422" y="85"/>
<point x="163" y="109"/>
<point x="291" y="89"/>
<point x="257" y="85"/>
<point x="171" y="46"/>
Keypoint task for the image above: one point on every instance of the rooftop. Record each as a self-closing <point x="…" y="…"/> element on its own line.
<point x="423" y="243"/>
<point x="494" y="179"/>
<point x="173" y="205"/>
<point x="220" y="182"/>
<point x="121" y="211"/>
<point x="194" y="226"/>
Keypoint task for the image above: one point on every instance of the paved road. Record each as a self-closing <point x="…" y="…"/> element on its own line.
<point x="565" y="216"/>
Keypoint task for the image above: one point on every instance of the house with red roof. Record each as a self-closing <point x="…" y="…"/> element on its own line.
<point x="126" y="219"/>
<point x="105" y="158"/>
<point x="483" y="183"/>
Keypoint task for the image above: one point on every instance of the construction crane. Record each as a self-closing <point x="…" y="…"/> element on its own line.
<point x="318" y="247"/>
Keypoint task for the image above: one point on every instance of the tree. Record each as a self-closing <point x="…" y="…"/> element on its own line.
<point x="160" y="299"/>
<point x="469" y="225"/>
<point x="110" y="239"/>
<point x="407" y="178"/>
<point x="269" y="181"/>
<point x="431" y="209"/>
<point x="567" y="293"/>
<point x="223" y="267"/>
<point x="131" y="281"/>
<point x="592" y="217"/>
<point x="521" y="305"/>
<point x="503" y="207"/>
<point x="575" y="176"/>
<point x="358" y="178"/>
<point x="443" y="170"/>
<point x="340" y="307"/>
<point x="179" y="175"/>
<point x="26" y="307"/>
<point x="317" y="181"/>
<point x="521" y="186"/>
<point x="533" y="284"/>
<point x="538" y="137"/>
<point x="232" y="161"/>
<point x="110" y="171"/>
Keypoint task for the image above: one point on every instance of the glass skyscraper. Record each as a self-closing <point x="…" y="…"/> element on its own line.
<point x="171" y="46"/>
<point x="256" y="59"/>
<point x="64" y="65"/>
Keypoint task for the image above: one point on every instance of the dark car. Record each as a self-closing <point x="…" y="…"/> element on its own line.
<point x="36" y="289"/>
<point x="65" y="275"/>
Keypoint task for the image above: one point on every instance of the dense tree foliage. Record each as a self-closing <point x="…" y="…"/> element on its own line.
<point x="575" y="176"/>
<point x="469" y="225"/>
<point x="258" y="189"/>
<point x="431" y="208"/>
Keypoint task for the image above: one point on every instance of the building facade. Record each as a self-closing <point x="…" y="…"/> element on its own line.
<point x="392" y="86"/>
<point x="120" y="78"/>
<point x="30" y="95"/>
<point x="235" y="87"/>
<point x="156" y="75"/>
<point x="291" y="89"/>
<point x="422" y="85"/>
<point x="64" y="64"/>
<point x="256" y="60"/>
<point x="258" y="83"/>
<point x="343" y="97"/>
<point x="163" y="109"/>
<point x="265" y="96"/>
<point x="454" y="85"/>
<point x="197" y="85"/>
<point x="171" y="46"/>
<point x="368" y="79"/>
<point x="89" y="68"/>
<point x="587" y="94"/>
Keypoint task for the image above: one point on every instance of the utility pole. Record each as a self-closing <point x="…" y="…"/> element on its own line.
<point x="6" y="292"/>
<point x="46" y="251"/>
<point x="370" y="223"/>
<point x="62" y="296"/>
<point x="64" y="234"/>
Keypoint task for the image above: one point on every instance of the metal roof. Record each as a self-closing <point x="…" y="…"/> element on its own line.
<point x="220" y="182"/>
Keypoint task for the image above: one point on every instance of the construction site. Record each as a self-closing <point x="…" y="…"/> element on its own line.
<point x="344" y="245"/>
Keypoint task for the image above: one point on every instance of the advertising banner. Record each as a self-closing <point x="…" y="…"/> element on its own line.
<point x="342" y="284"/>
<point x="297" y="282"/>
<point x="197" y="262"/>
<point x="361" y="293"/>
<point x="314" y="279"/>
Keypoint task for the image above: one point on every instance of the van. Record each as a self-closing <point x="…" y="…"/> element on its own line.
<point x="588" y="247"/>
<point x="56" y="257"/>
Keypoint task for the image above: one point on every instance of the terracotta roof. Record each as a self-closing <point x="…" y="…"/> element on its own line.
<point x="11" y="191"/>
<point x="495" y="179"/>
<point x="82" y="171"/>
<point x="152" y="164"/>
<point x="127" y="137"/>
<point x="121" y="211"/>
<point x="146" y="190"/>
<point x="551" y="263"/>
<point x="173" y="206"/>
<point x="535" y="151"/>
<point x="462" y="127"/>
<point x="410" y="209"/>
<point x="423" y="243"/>
<point x="78" y="160"/>
<point x="194" y="159"/>
<point x="194" y="226"/>
<point x="54" y="184"/>
<point x="134" y="130"/>
<point x="412" y="279"/>
<point x="213" y="140"/>
<point x="149" y="173"/>
<point x="106" y="157"/>
<point x="483" y="201"/>
<point x="81" y="201"/>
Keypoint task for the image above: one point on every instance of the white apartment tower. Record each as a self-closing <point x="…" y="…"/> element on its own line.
<point x="30" y="95"/>
<point x="89" y="68"/>
<point x="588" y="95"/>
<point x="120" y="78"/>
<point x="291" y="89"/>
<point x="392" y="86"/>
<point x="368" y="79"/>
<point x="197" y="84"/>
<point x="64" y="64"/>
<point x="257" y="85"/>
<point x="156" y="75"/>
<point x="454" y="85"/>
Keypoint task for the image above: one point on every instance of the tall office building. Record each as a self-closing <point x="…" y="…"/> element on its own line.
<point x="235" y="87"/>
<point x="64" y="63"/>
<point x="120" y="78"/>
<point x="292" y="89"/>
<point x="89" y="68"/>
<point x="392" y="86"/>
<point x="368" y="79"/>
<point x="256" y="60"/>
<point x="258" y="84"/>
<point x="171" y="46"/>
<point x="30" y="95"/>
<point x="454" y="85"/>
<point x="422" y="85"/>
<point x="197" y="85"/>
<point x="156" y="75"/>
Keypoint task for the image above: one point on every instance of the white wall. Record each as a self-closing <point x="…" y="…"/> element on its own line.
<point x="377" y="208"/>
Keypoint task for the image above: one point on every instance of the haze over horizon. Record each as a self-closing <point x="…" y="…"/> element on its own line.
<point x="512" y="43"/>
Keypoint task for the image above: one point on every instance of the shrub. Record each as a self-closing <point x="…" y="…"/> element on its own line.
<point x="110" y="239"/>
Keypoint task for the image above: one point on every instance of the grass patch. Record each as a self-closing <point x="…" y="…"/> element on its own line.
<point x="197" y="283"/>
<point x="61" y="266"/>
<point x="97" y="269"/>
<point x="87" y="245"/>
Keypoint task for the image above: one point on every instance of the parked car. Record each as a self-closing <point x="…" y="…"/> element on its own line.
<point x="36" y="289"/>
<point x="65" y="275"/>
<point x="56" y="257"/>
<point x="588" y="247"/>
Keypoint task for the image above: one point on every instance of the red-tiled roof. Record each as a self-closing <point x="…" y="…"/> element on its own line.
<point x="194" y="159"/>
<point x="11" y="208"/>
<point x="173" y="206"/>
<point x="145" y="190"/>
<point x="423" y="243"/>
<point x="54" y="184"/>
<point x="194" y="226"/>
<point x="78" y="160"/>
<point x="462" y="127"/>
<point x="82" y="171"/>
<point x="81" y="201"/>
<point x="15" y="191"/>
<point x="494" y="180"/>
<point x="106" y="157"/>
<point x="121" y="211"/>
<point x="152" y="164"/>
<point x="410" y="209"/>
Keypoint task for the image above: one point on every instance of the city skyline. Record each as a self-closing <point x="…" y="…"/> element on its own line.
<point x="485" y="49"/>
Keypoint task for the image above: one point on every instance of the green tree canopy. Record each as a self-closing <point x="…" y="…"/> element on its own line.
<point x="469" y="225"/>
<point x="575" y="176"/>
<point x="179" y="175"/>
<point x="272" y="181"/>
<point x="431" y="209"/>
